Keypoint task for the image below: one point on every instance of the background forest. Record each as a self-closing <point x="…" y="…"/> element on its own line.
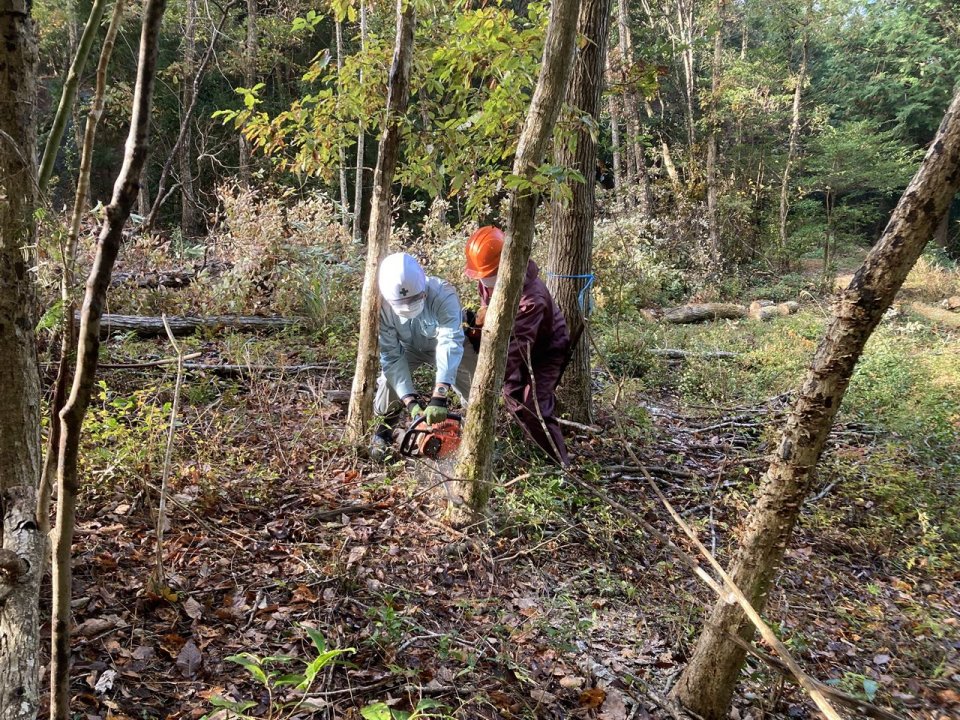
<point x="746" y="152"/>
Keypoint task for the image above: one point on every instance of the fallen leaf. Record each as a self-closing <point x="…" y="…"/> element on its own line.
<point x="613" y="707"/>
<point x="881" y="659"/>
<point x="105" y="682"/>
<point x="189" y="659"/>
<point x="571" y="682"/>
<point x="592" y="698"/>
<point x="356" y="554"/>
<point x="542" y="696"/>
<point x="192" y="608"/>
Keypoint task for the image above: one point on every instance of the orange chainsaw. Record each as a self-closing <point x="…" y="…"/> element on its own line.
<point x="436" y="442"/>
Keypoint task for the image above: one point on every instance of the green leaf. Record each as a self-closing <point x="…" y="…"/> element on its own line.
<point x="376" y="711"/>
<point x="250" y="663"/>
<point x="319" y="641"/>
<point x="870" y="688"/>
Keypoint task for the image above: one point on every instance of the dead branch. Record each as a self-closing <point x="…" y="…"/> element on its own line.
<point x="187" y="325"/>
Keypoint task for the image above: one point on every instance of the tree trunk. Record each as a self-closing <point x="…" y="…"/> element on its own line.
<point x="475" y="464"/>
<point x="631" y="108"/>
<point x="21" y="545"/>
<point x="707" y="684"/>
<point x="88" y="346"/>
<point x="570" y="256"/>
<point x="618" y="180"/>
<point x="143" y="194"/>
<point x="941" y="236"/>
<point x="358" y="178"/>
<point x="187" y="325"/>
<point x="69" y="93"/>
<point x="378" y="238"/>
<point x="344" y="199"/>
<point x="685" y="17"/>
<point x="251" y="50"/>
<point x="188" y="204"/>
<point x="792" y="149"/>
<point x="713" y="221"/>
<point x="69" y="260"/>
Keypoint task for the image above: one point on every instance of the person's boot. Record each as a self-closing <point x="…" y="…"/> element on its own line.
<point x="381" y="445"/>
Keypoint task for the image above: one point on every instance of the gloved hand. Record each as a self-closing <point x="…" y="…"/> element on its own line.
<point x="415" y="410"/>
<point x="436" y="410"/>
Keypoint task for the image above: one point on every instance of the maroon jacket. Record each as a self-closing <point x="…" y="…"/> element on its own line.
<point x="539" y="325"/>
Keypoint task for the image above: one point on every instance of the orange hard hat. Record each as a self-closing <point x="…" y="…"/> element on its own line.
<point x="483" y="252"/>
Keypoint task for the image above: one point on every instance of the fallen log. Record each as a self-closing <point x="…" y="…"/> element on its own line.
<point x="240" y="370"/>
<point x="187" y="325"/>
<point x="174" y="279"/>
<point x="675" y="354"/>
<point x="701" y="312"/>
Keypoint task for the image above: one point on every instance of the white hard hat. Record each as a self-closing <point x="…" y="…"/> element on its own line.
<point x="401" y="278"/>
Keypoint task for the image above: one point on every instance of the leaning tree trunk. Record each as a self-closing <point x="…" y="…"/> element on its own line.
<point x="475" y="466"/>
<point x="792" y="149"/>
<point x="358" y="178"/>
<point x="88" y="346"/>
<point x="361" y="395"/>
<point x="707" y="684"/>
<point x="570" y="257"/>
<point x="21" y="544"/>
<point x="188" y="204"/>
<point x="70" y="92"/>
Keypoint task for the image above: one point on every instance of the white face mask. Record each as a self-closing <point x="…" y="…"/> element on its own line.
<point x="489" y="282"/>
<point x="410" y="311"/>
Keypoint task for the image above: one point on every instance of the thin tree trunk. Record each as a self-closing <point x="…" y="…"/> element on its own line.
<point x="685" y="16"/>
<point x="251" y="50"/>
<point x="713" y="220"/>
<point x="708" y="682"/>
<point x="21" y="545"/>
<point x="631" y="108"/>
<point x="180" y="142"/>
<point x="69" y="261"/>
<point x="188" y="207"/>
<point x="618" y="180"/>
<point x="358" y="177"/>
<point x="360" y="412"/>
<point x="69" y="93"/>
<point x="344" y="199"/>
<point x="570" y="255"/>
<point x="143" y="194"/>
<point x="88" y="346"/>
<point x="792" y="149"/>
<point x="475" y="464"/>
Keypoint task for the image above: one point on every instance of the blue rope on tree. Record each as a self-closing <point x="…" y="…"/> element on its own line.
<point x="581" y="297"/>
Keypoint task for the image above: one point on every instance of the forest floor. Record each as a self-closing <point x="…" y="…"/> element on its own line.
<point x="560" y="607"/>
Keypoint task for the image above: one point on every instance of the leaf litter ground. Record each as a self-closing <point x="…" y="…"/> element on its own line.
<point x="558" y="609"/>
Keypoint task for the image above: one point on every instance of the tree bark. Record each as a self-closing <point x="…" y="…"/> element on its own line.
<point x="251" y="50"/>
<point x="21" y="544"/>
<point x="475" y="464"/>
<point x="360" y="412"/>
<point x="69" y="93"/>
<point x="69" y="260"/>
<point x="792" y="148"/>
<point x="358" y="178"/>
<point x="685" y="17"/>
<point x="618" y="179"/>
<point x="709" y="680"/>
<point x="125" y="193"/>
<point x="188" y="204"/>
<point x="570" y="255"/>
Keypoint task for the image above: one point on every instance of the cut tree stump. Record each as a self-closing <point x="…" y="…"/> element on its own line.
<point x="187" y="325"/>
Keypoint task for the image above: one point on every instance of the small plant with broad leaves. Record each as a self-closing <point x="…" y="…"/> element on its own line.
<point x="426" y="708"/>
<point x="287" y="692"/>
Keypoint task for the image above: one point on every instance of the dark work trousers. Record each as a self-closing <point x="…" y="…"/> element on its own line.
<point x="518" y="394"/>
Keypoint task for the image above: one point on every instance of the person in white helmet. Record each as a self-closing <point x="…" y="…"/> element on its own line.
<point x="420" y="324"/>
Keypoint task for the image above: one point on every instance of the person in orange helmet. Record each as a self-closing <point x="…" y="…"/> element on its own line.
<point x="539" y="344"/>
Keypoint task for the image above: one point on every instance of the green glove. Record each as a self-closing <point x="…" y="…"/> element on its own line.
<point x="415" y="410"/>
<point x="436" y="411"/>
